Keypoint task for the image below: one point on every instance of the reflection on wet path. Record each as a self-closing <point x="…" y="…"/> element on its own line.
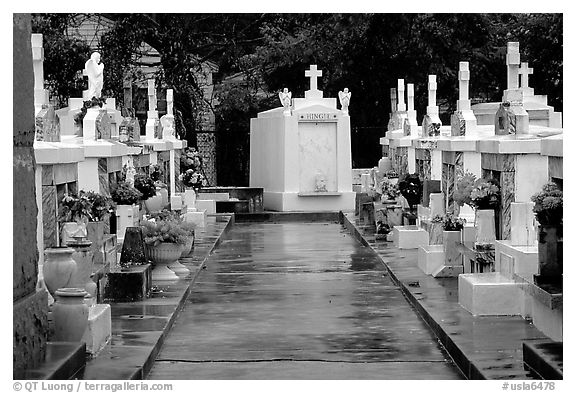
<point x="298" y="301"/>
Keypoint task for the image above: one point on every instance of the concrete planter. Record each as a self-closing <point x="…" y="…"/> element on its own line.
<point x="485" y="228"/>
<point x="164" y="254"/>
<point x="70" y="314"/>
<point x="450" y="241"/>
<point x="59" y="268"/>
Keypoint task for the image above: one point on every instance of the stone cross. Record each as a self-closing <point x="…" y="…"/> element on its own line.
<point x="463" y="81"/>
<point x="40" y="94"/>
<point x="127" y="85"/>
<point x="401" y="102"/>
<point x="170" y="102"/>
<point x="410" y="96"/>
<point x="513" y="64"/>
<point x="393" y="99"/>
<point x="151" y="95"/>
<point x="432" y="87"/>
<point x="524" y="72"/>
<point x="313" y="73"/>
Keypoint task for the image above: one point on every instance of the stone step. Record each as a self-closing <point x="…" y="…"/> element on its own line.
<point x="63" y="360"/>
<point x="544" y="358"/>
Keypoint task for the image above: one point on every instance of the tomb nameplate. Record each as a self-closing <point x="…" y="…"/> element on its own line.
<point x="318" y="117"/>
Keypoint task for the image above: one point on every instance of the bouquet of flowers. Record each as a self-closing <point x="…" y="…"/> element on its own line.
<point x="145" y="185"/>
<point x="485" y="194"/>
<point x="389" y="190"/>
<point x="464" y="187"/>
<point x="549" y="205"/>
<point x="102" y="206"/>
<point x="192" y="178"/>
<point x="410" y="187"/>
<point x="450" y="222"/>
<point x="158" y="231"/>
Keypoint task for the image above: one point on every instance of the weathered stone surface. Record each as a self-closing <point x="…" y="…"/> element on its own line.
<point x="130" y="284"/>
<point x="30" y="325"/>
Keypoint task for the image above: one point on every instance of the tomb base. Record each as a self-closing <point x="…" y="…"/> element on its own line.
<point x="99" y="328"/>
<point x="130" y="284"/>
<point x="519" y="260"/>
<point x="410" y="236"/>
<point x="489" y="294"/>
<point x="445" y="271"/>
<point x="206" y="204"/>
<point x="430" y="258"/>
<point x="314" y="201"/>
<point x="196" y="217"/>
<point x="548" y="321"/>
<point x="216" y="196"/>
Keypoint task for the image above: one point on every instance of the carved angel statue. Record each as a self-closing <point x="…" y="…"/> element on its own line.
<point x="95" y="72"/>
<point x="285" y="98"/>
<point x="344" y="99"/>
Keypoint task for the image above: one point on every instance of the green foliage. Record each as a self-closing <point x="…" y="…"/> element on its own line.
<point x="125" y="194"/>
<point x="75" y="208"/>
<point x="64" y="56"/>
<point x="485" y="194"/>
<point x="549" y="205"/>
<point x="145" y="185"/>
<point x="101" y="205"/>
<point x="449" y="222"/>
<point x="410" y="187"/>
<point x="464" y="188"/>
<point x="164" y="231"/>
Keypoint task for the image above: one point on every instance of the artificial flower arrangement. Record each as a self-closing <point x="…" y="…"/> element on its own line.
<point x="101" y="205"/>
<point x="485" y="194"/>
<point x="389" y="190"/>
<point x="156" y="176"/>
<point x="125" y="194"/>
<point x="548" y="205"/>
<point x="75" y="208"/>
<point x="449" y="222"/>
<point x="464" y="188"/>
<point x="193" y="178"/>
<point x="145" y="185"/>
<point x="93" y="102"/>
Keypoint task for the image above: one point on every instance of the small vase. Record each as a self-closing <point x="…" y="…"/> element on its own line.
<point x="154" y="204"/>
<point x="71" y="231"/>
<point x="59" y="268"/>
<point x="485" y="228"/>
<point x="164" y="194"/>
<point x="190" y="198"/>
<point x="70" y="314"/>
<point x="164" y="254"/>
<point x="450" y="241"/>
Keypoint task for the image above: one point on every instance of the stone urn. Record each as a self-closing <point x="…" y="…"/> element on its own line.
<point x="59" y="268"/>
<point x="155" y="203"/>
<point x="70" y="314"/>
<point x="162" y="255"/>
<point x="485" y="229"/>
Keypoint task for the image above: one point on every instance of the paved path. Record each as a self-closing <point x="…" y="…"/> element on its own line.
<point x="298" y="301"/>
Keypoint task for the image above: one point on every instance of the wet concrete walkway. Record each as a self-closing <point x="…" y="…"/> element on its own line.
<point x="298" y="301"/>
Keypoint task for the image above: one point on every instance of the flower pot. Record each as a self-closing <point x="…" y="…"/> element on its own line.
<point x="550" y="251"/>
<point x="71" y="231"/>
<point x="450" y="241"/>
<point x="154" y="204"/>
<point x="84" y="258"/>
<point x="485" y="228"/>
<point x="164" y="194"/>
<point x="162" y="255"/>
<point x="70" y="314"/>
<point x="59" y="268"/>
<point x="190" y="198"/>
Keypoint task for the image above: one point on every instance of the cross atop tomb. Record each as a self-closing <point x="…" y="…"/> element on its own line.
<point x="463" y="81"/>
<point x="313" y="73"/>
<point x="169" y="102"/>
<point x="151" y="95"/>
<point x="513" y="64"/>
<point x="401" y="102"/>
<point x="393" y="99"/>
<point x="432" y="108"/>
<point x="524" y="72"/>
<point x="410" y="96"/>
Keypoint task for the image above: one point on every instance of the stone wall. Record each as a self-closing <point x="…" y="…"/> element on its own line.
<point x="30" y="323"/>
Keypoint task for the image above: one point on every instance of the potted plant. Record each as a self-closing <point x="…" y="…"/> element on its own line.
<point x="451" y="236"/>
<point x="102" y="207"/>
<point x="485" y="199"/>
<point x="126" y="198"/>
<point x="463" y="190"/>
<point x="151" y="198"/>
<point x="75" y="212"/>
<point x="549" y="210"/>
<point x="164" y="238"/>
